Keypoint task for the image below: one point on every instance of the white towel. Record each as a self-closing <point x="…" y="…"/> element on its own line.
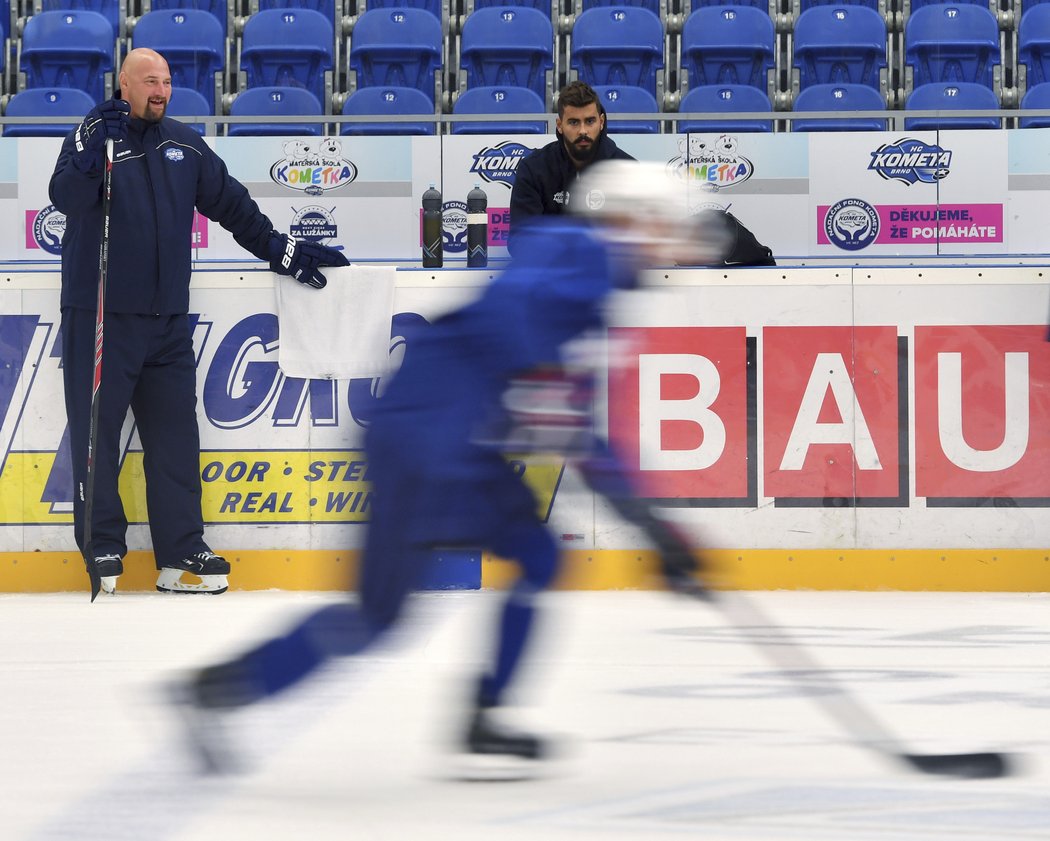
<point x="341" y="331"/>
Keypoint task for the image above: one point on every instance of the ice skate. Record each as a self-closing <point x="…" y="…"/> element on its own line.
<point x="204" y="728"/>
<point x="109" y="568"/>
<point x="486" y="737"/>
<point x="492" y="752"/>
<point x="210" y="568"/>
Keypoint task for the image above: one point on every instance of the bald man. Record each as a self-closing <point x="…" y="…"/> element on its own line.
<point x="162" y="171"/>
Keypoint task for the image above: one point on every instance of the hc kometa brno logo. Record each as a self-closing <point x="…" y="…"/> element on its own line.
<point x="910" y="160"/>
<point x="851" y="224"/>
<point x="498" y="164"/>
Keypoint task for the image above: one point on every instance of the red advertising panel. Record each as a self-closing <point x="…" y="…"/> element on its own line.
<point x="832" y="413"/>
<point x="982" y="413"/>
<point x="678" y="411"/>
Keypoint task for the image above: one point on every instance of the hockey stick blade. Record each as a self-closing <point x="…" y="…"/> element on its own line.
<point x="970" y="766"/>
<point x="95" y="578"/>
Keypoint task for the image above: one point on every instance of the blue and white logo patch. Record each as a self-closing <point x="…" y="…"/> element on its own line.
<point x="910" y="160"/>
<point x="851" y="224"/>
<point x="173" y="154"/>
<point x="498" y="164"/>
<point x="454" y="226"/>
<point x="48" y="229"/>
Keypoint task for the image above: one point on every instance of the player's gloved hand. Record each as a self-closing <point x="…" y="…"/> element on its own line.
<point x="301" y="258"/>
<point x="109" y="119"/>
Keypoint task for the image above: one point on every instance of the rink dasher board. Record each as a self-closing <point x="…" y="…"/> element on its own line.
<point x="911" y="457"/>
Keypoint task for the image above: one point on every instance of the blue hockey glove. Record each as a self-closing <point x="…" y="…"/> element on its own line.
<point x="301" y="258"/>
<point x="108" y="120"/>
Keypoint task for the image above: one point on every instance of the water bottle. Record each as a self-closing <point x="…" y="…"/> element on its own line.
<point x="432" y="256"/>
<point x="477" y="228"/>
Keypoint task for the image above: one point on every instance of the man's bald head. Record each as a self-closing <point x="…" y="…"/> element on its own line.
<point x="145" y="84"/>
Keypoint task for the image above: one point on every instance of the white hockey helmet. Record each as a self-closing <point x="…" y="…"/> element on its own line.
<point x="639" y="205"/>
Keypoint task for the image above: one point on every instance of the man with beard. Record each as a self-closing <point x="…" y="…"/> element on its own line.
<point x="545" y="178"/>
<point x="162" y="171"/>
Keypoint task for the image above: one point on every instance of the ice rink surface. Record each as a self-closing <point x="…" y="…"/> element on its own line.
<point x="671" y="723"/>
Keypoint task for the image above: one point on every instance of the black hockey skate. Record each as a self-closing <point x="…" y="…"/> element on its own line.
<point x="485" y="737"/>
<point x="204" y="701"/>
<point x="492" y="752"/>
<point x="209" y="567"/>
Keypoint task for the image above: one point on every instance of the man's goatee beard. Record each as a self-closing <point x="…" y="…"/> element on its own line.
<point x="582" y="156"/>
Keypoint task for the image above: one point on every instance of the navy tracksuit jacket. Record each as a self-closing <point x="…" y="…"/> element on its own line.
<point x="160" y="174"/>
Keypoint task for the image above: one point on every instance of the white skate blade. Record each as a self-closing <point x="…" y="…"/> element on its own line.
<point x="109" y="583"/>
<point x="170" y="581"/>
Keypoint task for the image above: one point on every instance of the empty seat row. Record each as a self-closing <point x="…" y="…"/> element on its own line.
<point x="504" y="48"/>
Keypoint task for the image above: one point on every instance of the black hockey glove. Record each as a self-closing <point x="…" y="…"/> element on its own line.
<point x="300" y="258"/>
<point x="108" y="120"/>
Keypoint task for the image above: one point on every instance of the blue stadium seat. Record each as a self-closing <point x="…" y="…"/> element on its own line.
<point x="915" y="5"/>
<point x="385" y="102"/>
<point x="192" y="42"/>
<point x="325" y="7"/>
<point x="652" y="5"/>
<point x="396" y="48"/>
<point x="1037" y="96"/>
<point x="112" y="10"/>
<point x="728" y="46"/>
<point x="47" y="102"/>
<point x="724" y="99"/>
<point x="186" y="102"/>
<point x="67" y="50"/>
<point x="839" y="98"/>
<point x="1033" y="44"/>
<point x="761" y="5"/>
<point x="499" y="100"/>
<point x="840" y="45"/>
<point x="618" y="46"/>
<point x="508" y="47"/>
<point x="952" y="43"/>
<point x="288" y="48"/>
<point x="950" y="96"/>
<point x="274" y="101"/>
<point x="540" y="5"/>
<point x="219" y="9"/>
<point x="627" y="99"/>
<point x="808" y="4"/>
<point x="432" y="6"/>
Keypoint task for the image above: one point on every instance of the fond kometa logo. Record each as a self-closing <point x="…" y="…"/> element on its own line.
<point x="314" y="167"/>
<point x="47" y="229"/>
<point x="910" y="160"/>
<point x="498" y="164"/>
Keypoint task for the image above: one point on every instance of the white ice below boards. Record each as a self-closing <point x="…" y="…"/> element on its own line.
<point x="674" y="726"/>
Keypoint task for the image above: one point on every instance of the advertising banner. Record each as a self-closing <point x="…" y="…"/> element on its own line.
<point x="873" y="417"/>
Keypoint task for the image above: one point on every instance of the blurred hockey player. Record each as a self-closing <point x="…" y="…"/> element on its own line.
<point x="479" y="382"/>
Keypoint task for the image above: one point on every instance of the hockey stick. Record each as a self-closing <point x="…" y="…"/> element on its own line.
<point x="856" y="720"/>
<point x="96" y="382"/>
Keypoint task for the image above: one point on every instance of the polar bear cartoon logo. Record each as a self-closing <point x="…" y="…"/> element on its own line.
<point x="330" y="150"/>
<point x="296" y="150"/>
<point x="692" y="148"/>
<point x="726" y="145"/>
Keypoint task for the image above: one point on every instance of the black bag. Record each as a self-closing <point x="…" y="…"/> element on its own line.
<point x="745" y="250"/>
